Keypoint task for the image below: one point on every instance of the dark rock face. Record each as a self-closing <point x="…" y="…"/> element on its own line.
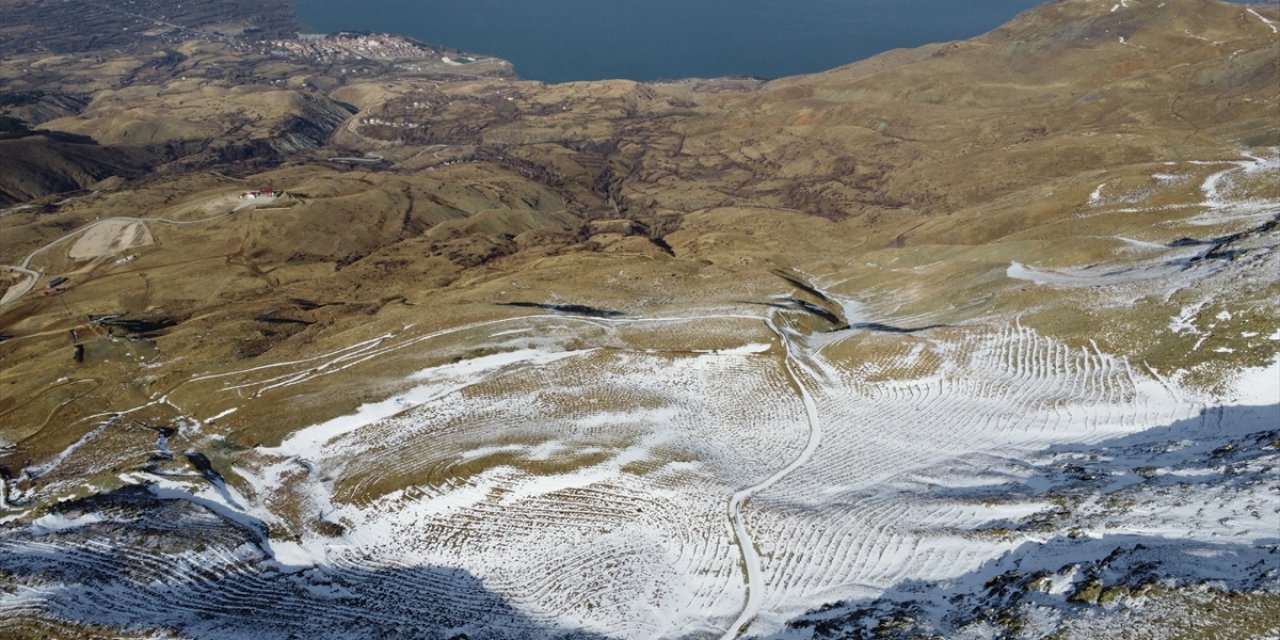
<point x="38" y="163"/>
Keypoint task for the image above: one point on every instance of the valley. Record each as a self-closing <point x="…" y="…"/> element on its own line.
<point x="335" y="337"/>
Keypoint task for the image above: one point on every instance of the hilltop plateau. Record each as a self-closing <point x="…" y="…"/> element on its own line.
<point x="347" y="335"/>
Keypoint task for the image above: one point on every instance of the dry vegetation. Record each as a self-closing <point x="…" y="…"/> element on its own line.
<point x="1073" y="142"/>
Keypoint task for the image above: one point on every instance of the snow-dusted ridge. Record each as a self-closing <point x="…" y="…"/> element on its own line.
<point x="961" y="480"/>
<point x="843" y="490"/>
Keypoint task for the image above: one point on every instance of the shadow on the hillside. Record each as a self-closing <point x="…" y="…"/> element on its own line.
<point x="888" y="328"/>
<point x="1120" y="564"/>
<point x="1216" y="447"/>
<point x="169" y="564"/>
<point x="571" y="309"/>
<point x="1223" y="447"/>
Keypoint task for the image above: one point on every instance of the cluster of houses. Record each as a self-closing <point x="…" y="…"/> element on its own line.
<point x="351" y="46"/>
<point x="379" y="122"/>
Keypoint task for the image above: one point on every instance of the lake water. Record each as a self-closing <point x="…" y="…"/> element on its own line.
<point x="559" y="40"/>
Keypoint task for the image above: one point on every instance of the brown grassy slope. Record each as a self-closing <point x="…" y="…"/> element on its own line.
<point x="1053" y="95"/>
<point x="917" y="177"/>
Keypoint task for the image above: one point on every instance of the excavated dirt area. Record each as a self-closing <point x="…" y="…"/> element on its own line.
<point x="110" y="238"/>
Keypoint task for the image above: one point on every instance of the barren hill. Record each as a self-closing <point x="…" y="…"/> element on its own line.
<point x="977" y="339"/>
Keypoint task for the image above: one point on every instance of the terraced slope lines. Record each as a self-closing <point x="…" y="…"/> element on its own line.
<point x="586" y="487"/>
<point x="979" y="340"/>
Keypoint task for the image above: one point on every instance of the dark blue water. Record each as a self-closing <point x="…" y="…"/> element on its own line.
<point x="559" y="40"/>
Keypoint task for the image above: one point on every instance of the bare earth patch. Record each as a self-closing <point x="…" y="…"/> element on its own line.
<point x="109" y="238"/>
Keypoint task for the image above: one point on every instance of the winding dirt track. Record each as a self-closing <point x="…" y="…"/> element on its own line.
<point x="115" y="226"/>
<point x="866" y="540"/>
<point x="751" y="559"/>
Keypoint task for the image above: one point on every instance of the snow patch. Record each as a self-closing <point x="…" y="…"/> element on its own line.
<point x="1095" y="198"/>
<point x="308" y="442"/>
<point x="744" y="350"/>
<point x="1264" y="20"/>
<point x="221" y="415"/>
<point x="1257" y="386"/>
<point x="55" y="522"/>
<point x="1019" y="271"/>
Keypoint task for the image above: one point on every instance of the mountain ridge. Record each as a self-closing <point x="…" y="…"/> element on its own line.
<point x="602" y="351"/>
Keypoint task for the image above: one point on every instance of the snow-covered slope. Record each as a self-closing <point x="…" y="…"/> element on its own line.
<point x="545" y="491"/>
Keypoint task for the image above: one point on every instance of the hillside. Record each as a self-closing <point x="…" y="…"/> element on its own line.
<point x="973" y="340"/>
